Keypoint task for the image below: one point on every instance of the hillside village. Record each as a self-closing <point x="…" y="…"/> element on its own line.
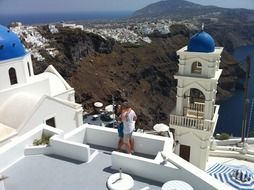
<point x="132" y="33"/>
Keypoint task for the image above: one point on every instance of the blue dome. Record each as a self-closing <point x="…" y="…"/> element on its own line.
<point x="10" y="45"/>
<point x="201" y="42"/>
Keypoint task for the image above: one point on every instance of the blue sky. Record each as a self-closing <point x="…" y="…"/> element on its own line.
<point x="38" y="6"/>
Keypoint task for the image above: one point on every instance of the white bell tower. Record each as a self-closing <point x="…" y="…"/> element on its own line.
<point x="195" y="117"/>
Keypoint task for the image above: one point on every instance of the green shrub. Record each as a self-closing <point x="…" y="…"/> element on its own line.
<point x="44" y="140"/>
<point x="222" y="136"/>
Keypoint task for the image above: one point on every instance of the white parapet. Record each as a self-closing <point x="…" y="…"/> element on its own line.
<point x="2" y="178"/>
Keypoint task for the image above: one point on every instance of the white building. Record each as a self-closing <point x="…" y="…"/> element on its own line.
<point x="73" y="26"/>
<point x="196" y="114"/>
<point x="53" y="29"/>
<point x="27" y="100"/>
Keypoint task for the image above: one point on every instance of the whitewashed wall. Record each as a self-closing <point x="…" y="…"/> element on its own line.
<point x="198" y="141"/>
<point x="20" y="65"/>
<point x="34" y="88"/>
<point x="65" y="116"/>
<point x="72" y="150"/>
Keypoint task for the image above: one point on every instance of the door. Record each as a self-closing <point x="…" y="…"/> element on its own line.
<point x="185" y="152"/>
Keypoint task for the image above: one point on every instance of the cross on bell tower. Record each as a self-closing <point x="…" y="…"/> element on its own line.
<point x="195" y="116"/>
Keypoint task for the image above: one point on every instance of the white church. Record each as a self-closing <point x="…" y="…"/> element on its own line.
<point x="27" y="100"/>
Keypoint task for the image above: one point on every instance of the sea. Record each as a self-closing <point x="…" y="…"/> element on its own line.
<point x="44" y="18"/>
<point x="231" y="110"/>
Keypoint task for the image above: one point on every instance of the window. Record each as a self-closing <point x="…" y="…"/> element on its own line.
<point x="13" y="76"/>
<point x="51" y="122"/>
<point x="29" y="71"/>
<point x="196" y="67"/>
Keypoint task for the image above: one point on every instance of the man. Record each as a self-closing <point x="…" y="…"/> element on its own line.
<point x="129" y="119"/>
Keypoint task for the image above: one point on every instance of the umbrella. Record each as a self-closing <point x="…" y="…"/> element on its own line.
<point x="161" y="127"/>
<point x="239" y="177"/>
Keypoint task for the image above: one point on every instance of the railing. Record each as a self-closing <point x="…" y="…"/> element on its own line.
<point x="197" y="106"/>
<point x="188" y="122"/>
<point x="195" y="110"/>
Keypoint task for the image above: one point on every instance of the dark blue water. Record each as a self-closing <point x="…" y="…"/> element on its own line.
<point x="231" y="110"/>
<point x="44" y="18"/>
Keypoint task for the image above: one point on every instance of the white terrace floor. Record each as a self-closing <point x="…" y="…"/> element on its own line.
<point x="50" y="172"/>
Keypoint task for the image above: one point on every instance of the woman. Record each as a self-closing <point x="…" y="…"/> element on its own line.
<point x="119" y="127"/>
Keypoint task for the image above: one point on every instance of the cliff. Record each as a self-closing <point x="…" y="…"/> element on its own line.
<point x="142" y="74"/>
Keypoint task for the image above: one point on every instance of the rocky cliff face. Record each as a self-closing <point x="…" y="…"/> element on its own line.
<point x="142" y="74"/>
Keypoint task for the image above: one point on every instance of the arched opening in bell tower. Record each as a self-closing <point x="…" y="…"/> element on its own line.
<point x="194" y="103"/>
<point x="196" y="67"/>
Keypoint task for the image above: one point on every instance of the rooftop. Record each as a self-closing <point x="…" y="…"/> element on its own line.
<point x="85" y="159"/>
<point x="56" y="172"/>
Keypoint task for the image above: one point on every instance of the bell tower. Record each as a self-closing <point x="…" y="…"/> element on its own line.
<point x="195" y="116"/>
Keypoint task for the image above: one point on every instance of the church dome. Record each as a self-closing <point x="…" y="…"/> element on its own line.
<point x="10" y="45"/>
<point x="201" y="42"/>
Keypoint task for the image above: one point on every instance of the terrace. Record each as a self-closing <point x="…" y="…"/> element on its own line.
<point x="84" y="159"/>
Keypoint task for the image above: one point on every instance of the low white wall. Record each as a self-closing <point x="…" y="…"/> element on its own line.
<point x="75" y="150"/>
<point x="101" y="136"/>
<point x="72" y="150"/>
<point x="151" y="144"/>
<point x="229" y="148"/>
<point x="143" y="143"/>
<point x="232" y="154"/>
<point x="149" y="169"/>
<point x="35" y="150"/>
<point x="76" y="135"/>
<point x="14" y="150"/>
<point x="233" y="141"/>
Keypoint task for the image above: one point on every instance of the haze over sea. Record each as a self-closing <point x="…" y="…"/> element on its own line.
<point x="45" y="18"/>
